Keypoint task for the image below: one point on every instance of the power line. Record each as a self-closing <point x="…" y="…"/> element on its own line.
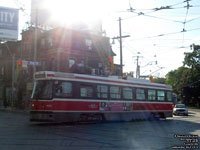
<point x="188" y="6"/>
<point x="162" y="18"/>
<point x="21" y="7"/>
<point x="156" y="8"/>
<point x="161" y="35"/>
<point x="160" y="8"/>
<point x="193" y="19"/>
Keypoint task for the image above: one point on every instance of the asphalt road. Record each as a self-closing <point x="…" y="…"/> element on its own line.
<point x="17" y="133"/>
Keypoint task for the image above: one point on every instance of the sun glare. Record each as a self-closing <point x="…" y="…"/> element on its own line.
<point x="74" y="11"/>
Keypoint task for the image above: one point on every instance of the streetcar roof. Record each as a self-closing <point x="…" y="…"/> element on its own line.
<point x="44" y="75"/>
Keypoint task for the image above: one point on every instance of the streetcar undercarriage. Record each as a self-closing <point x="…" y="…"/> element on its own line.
<point x="43" y="116"/>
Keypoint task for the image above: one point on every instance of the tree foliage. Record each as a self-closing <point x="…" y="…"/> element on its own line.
<point x="159" y="80"/>
<point x="192" y="59"/>
<point x="186" y="79"/>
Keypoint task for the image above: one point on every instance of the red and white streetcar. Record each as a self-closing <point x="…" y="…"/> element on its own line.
<point x="68" y="97"/>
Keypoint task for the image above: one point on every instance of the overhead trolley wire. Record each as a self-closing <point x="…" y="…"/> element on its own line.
<point x="161" y="35"/>
<point x="188" y="6"/>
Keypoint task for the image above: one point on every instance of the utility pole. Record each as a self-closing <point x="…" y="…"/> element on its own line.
<point x="13" y="80"/>
<point x="120" y="42"/>
<point x="35" y="40"/>
<point x="12" y="56"/>
<point x="138" y="66"/>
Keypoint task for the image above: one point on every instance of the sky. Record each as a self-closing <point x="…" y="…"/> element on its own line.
<point x="155" y="28"/>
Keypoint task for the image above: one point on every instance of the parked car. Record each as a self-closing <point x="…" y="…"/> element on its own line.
<point x="180" y="109"/>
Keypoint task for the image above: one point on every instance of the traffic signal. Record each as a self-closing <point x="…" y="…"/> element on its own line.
<point x="19" y="65"/>
<point x="111" y="64"/>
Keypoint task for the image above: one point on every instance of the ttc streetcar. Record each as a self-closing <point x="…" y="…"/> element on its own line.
<point x="68" y="97"/>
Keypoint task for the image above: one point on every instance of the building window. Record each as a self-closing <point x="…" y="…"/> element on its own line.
<point x="71" y="62"/>
<point x="100" y="65"/>
<point x="161" y="95"/>
<point x="63" y="89"/>
<point x="127" y="93"/>
<point x="140" y="95"/>
<point x="86" y="91"/>
<point x="169" y="96"/>
<point x="52" y="64"/>
<point x="102" y="91"/>
<point x="88" y="43"/>
<point x="151" y="95"/>
<point x="50" y="42"/>
<point x="1" y="70"/>
<point x="43" y="42"/>
<point x="115" y="92"/>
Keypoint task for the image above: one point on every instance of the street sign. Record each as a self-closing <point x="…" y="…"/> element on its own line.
<point x="24" y="64"/>
<point x="34" y="63"/>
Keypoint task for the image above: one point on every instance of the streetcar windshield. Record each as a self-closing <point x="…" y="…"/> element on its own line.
<point x="43" y="90"/>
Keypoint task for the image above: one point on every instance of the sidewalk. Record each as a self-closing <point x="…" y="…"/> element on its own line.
<point x="194" y="109"/>
<point x="15" y="110"/>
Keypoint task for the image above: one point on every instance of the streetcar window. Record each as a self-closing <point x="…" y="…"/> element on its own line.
<point x="86" y="91"/>
<point x="161" y="95"/>
<point x="140" y="95"/>
<point x="115" y="92"/>
<point x="151" y="94"/>
<point x="102" y="91"/>
<point x="43" y="90"/>
<point x="169" y="96"/>
<point x="63" y="89"/>
<point x="127" y="93"/>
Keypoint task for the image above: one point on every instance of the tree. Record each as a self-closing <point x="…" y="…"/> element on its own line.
<point x="178" y="79"/>
<point x="192" y="60"/>
<point x="159" y="80"/>
<point x="186" y="79"/>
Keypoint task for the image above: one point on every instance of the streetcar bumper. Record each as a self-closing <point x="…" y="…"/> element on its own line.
<point x="40" y="116"/>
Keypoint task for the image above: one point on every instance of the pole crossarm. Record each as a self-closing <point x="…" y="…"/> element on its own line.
<point x="117" y="37"/>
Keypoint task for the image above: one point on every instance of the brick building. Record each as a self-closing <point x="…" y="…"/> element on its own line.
<point x="59" y="49"/>
<point x="68" y="50"/>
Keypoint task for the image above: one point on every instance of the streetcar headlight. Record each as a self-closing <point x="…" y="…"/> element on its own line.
<point x="33" y="105"/>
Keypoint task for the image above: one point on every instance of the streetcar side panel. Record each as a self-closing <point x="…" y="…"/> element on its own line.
<point x="68" y="99"/>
